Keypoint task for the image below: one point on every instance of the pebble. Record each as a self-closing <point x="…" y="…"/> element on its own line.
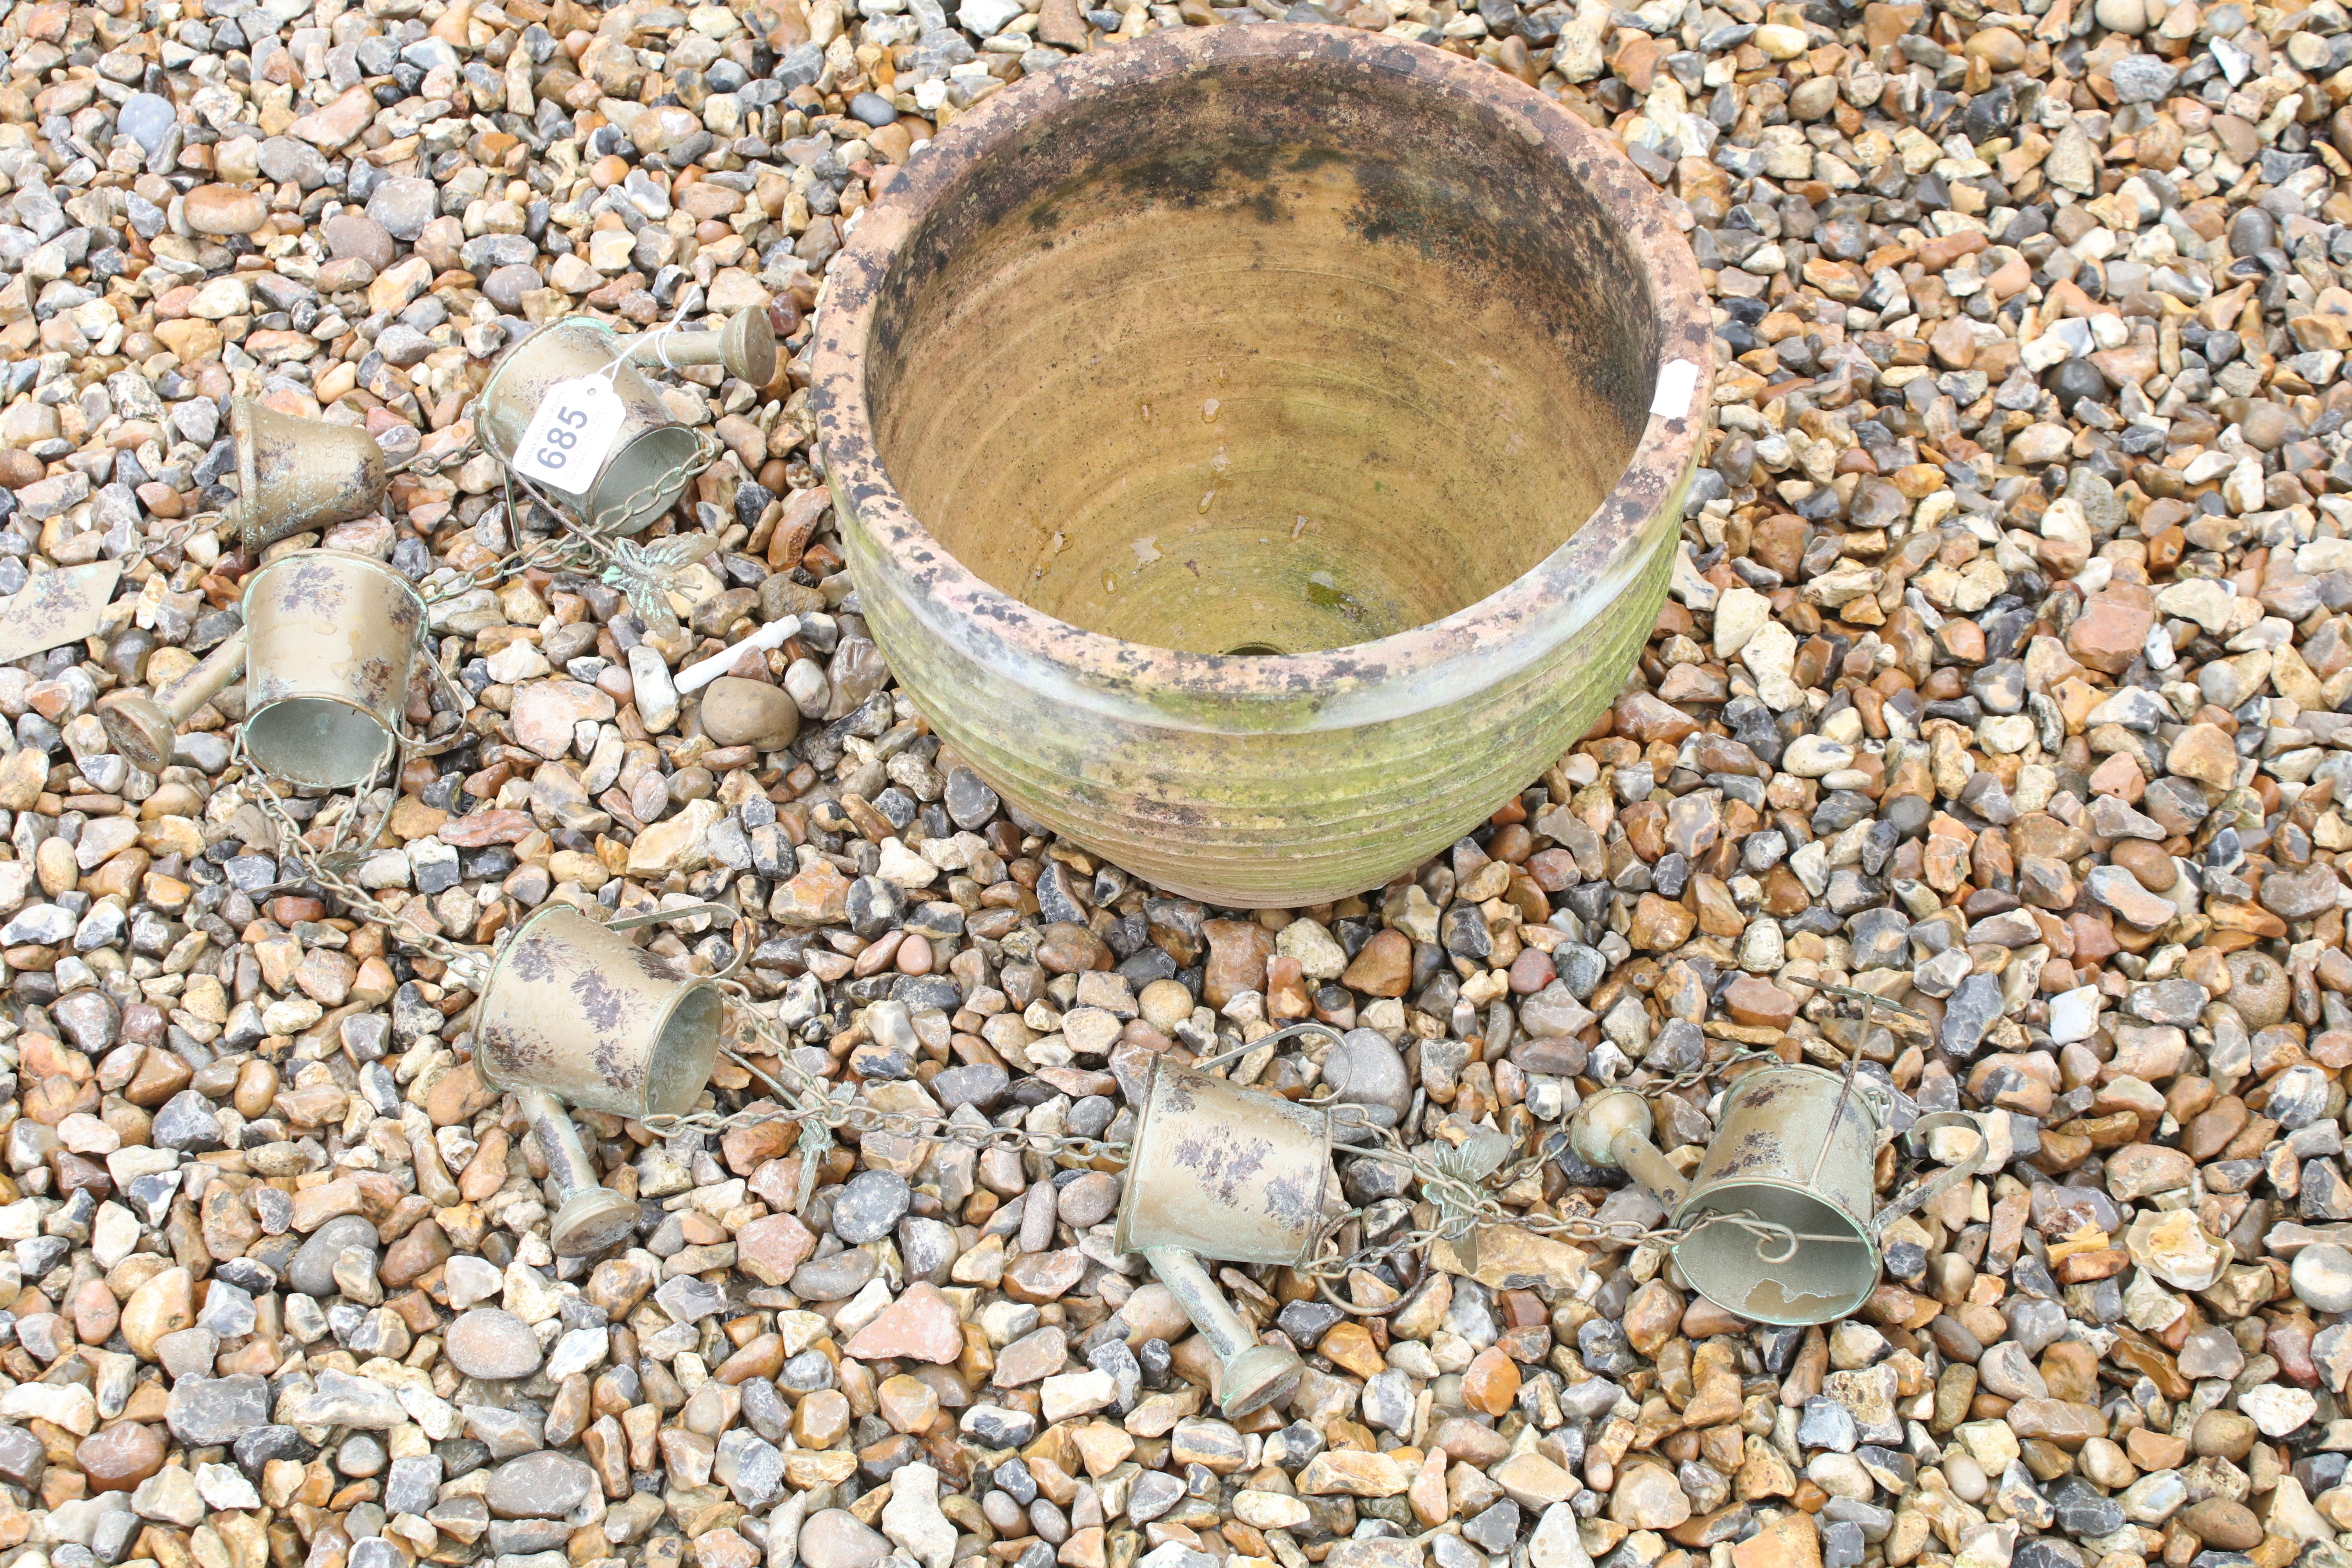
<point x="835" y="1538"/>
<point x="870" y="1205"/>
<point x="490" y="1344"/>
<point x="749" y="713"/>
<point x="117" y="1458"/>
<point x="539" y="1485"/>
<point x="208" y="1410"/>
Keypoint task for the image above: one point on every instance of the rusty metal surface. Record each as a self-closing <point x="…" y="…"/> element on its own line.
<point x="56" y="608"/>
<point x="298" y="475"/>
<point x="1292" y="302"/>
<point x="331" y="640"/>
<point x="1778" y="1155"/>
<point x="593" y="1018"/>
<point x="648" y="440"/>
<point x="1224" y="1171"/>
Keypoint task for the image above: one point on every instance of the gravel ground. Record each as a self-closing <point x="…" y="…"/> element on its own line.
<point x="2003" y="676"/>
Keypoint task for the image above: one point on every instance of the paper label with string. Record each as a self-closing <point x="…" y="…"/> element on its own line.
<point x="566" y="444"/>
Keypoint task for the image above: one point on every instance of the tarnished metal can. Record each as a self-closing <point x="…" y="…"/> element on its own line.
<point x="1226" y="1171"/>
<point x="296" y="474"/>
<point x="332" y="639"/>
<point x="1777" y="1223"/>
<point x="575" y="1008"/>
<point x="1792" y="1149"/>
<point x="652" y="458"/>
<point x="1333" y="480"/>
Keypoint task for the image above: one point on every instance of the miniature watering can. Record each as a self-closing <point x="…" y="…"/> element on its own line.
<point x="1223" y="1171"/>
<point x="568" y="409"/>
<point x="329" y="641"/>
<point x="569" y="1007"/>
<point x="1776" y="1224"/>
<point x="297" y="475"/>
<point x="571" y="1012"/>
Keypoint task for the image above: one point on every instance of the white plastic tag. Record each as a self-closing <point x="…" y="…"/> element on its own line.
<point x="566" y="441"/>
<point x="1676" y="380"/>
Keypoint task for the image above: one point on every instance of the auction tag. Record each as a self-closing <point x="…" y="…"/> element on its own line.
<point x="566" y="441"/>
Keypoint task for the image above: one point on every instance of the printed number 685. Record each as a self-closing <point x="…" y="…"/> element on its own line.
<point x="557" y="440"/>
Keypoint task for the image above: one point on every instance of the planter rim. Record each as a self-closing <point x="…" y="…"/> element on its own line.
<point x="1477" y="646"/>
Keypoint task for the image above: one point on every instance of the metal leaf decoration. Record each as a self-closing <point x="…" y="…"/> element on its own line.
<point x="342" y="862"/>
<point x="649" y="574"/>
<point x="1468" y="1163"/>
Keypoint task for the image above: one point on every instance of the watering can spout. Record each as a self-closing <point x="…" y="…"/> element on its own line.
<point x="1612" y="1129"/>
<point x="591" y="1217"/>
<point x="145" y="729"/>
<point x="1249" y="1374"/>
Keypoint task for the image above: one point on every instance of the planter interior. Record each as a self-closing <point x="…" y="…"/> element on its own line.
<point x="1277" y="356"/>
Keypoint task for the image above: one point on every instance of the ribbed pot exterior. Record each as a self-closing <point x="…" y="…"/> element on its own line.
<point x="1302" y="777"/>
<point x="1265" y="810"/>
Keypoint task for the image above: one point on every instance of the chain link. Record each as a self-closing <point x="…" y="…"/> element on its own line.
<point x="812" y="1098"/>
<point x="1657" y="1089"/>
<point x="324" y="869"/>
<point x="706" y="452"/>
<point x="568" y="549"/>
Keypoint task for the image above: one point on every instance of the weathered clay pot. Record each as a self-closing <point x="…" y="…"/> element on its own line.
<point x="1288" y="341"/>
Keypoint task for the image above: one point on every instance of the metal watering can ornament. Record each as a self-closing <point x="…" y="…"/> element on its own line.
<point x="295" y="475"/>
<point x="568" y="410"/>
<point x="1219" y="1171"/>
<point x="571" y="1013"/>
<point x="1777" y="1225"/>
<point x="329" y="643"/>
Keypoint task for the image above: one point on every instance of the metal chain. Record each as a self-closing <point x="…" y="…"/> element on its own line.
<point x="174" y="538"/>
<point x="563" y="548"/>
<point x="1696" y="1077"/>
<point x="324" y="869"/>
<point x="440" y="460"/>
<point x="706" y="452"/>
<point x="813" y="1099"/>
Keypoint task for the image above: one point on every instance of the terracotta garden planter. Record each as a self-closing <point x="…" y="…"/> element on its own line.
<point x="1261" y="449"/>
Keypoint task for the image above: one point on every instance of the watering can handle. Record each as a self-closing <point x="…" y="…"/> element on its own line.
<point x="1274" y="1037"/>
<point x="1943" y="1181"/>
<point x="656" y="917"/>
